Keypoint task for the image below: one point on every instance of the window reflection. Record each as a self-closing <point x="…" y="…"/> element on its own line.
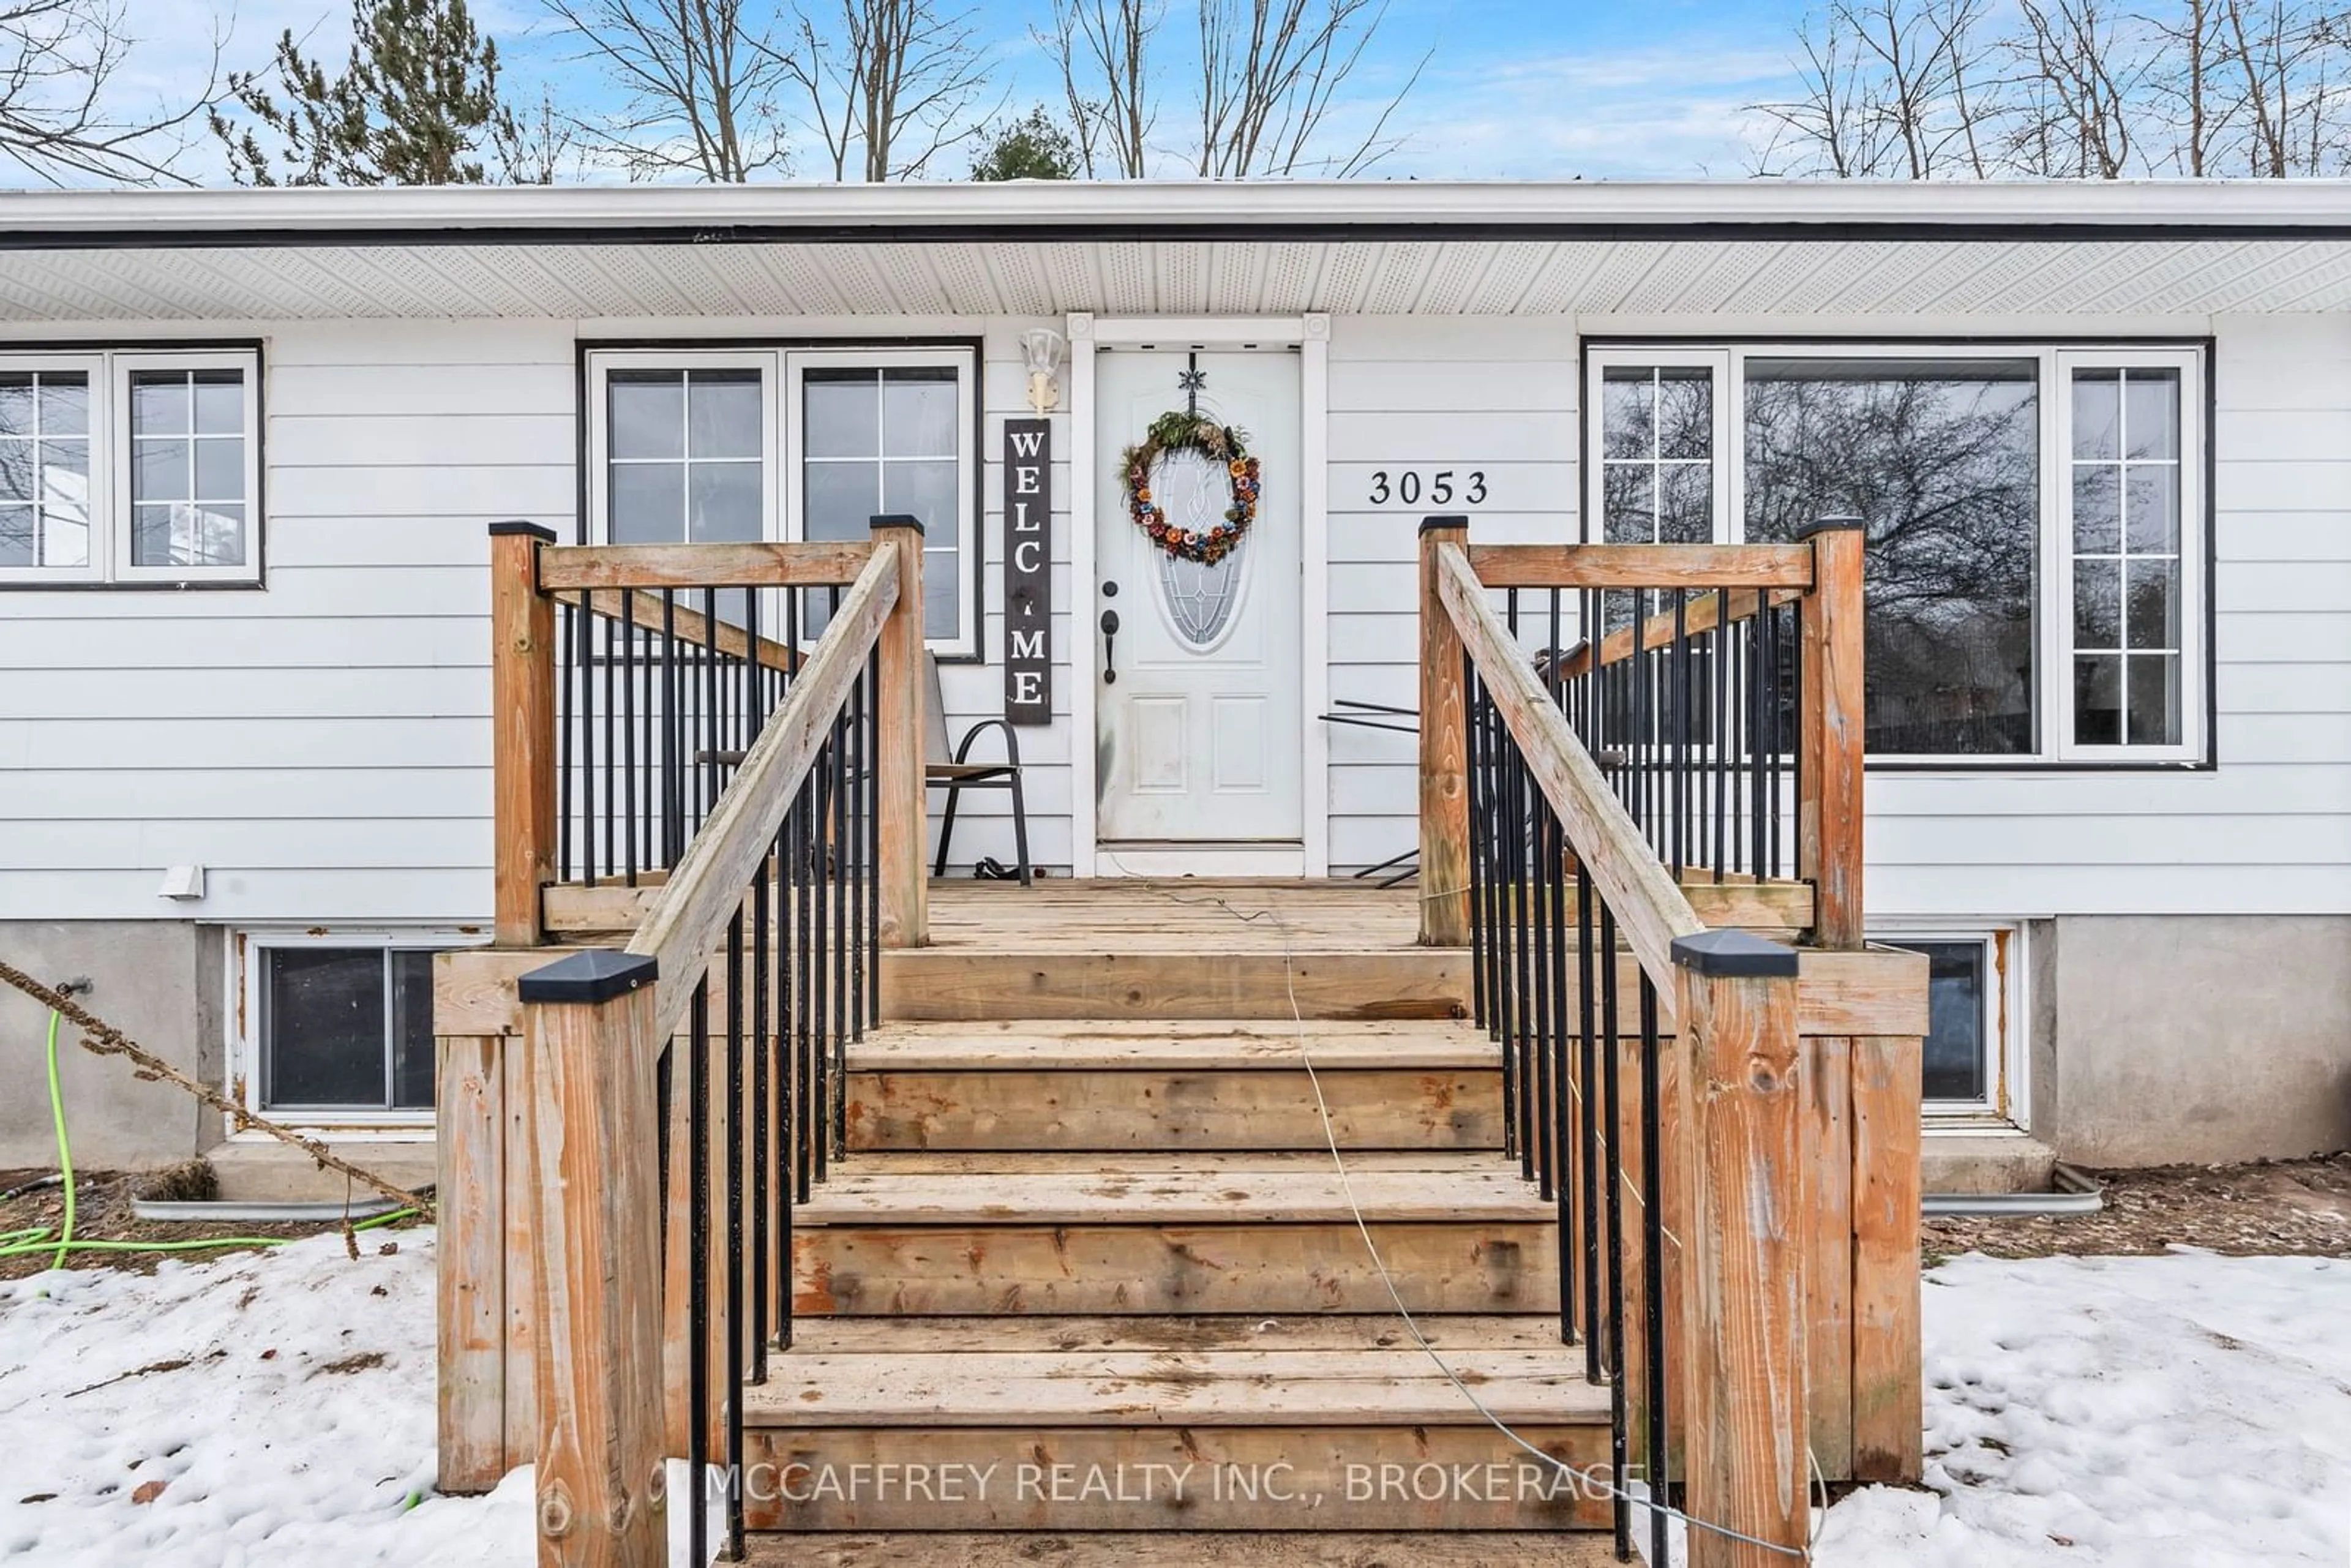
<point x="1940" y="459"/>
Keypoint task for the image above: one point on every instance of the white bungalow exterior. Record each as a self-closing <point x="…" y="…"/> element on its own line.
<point x="251" y="442"/>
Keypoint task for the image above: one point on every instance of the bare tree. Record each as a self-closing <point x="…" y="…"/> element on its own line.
<point x="1103" y="49"/>
<point x="60" y="64"/>
<point x="2085" y="89"/>
<point x="2290" y="59"/>
<point x="1270" y="72"/>
<point x="890" y="84"/>
<point x="702" y="80"/>
<point x="1894" y="89"/>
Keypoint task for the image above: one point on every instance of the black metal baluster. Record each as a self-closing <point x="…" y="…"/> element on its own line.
<point x="762" y="1113"/>
<point x="1679" y="736"/>
<point x="1611" y="1119"/>
<point x="628" y="738"/>
<point x="1588" y="1120"/>
<point x="1653" y="1269"/>
<point x="872" y="893"/>
<point x="566" y="637"/>
<point x="1480" y="938"/>
<point x="697" y="1270"/>
<point x="736" y="1314"/>
<point x="672" y="807"/>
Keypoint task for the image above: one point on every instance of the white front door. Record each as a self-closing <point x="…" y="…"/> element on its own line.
<point x="1198" y="690"/>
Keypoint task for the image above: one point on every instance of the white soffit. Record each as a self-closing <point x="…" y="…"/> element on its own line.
<point x="1643" y="277"/>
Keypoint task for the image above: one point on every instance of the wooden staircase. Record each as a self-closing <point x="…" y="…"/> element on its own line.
<point x="1108" y="1264"/>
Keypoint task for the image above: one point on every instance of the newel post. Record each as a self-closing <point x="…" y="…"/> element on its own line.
<point x="1743" y="1256"/>
<point x="593" y="1178"/>
<point x="1829" y="761"/>
<point x="522" y="722"/>
<point x="1444" y="752"/>
<point x="904" y="802"/>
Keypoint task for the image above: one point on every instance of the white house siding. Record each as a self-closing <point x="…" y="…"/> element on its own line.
<point x="2269" y="832"/>
<point x="321" y="746"/>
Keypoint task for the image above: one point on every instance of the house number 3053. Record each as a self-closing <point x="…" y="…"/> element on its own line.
<point x="1410" y="487"/>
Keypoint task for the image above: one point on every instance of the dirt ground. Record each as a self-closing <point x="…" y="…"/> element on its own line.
<point x="102" y="1213"/>
<point x="2298" y="1207"/>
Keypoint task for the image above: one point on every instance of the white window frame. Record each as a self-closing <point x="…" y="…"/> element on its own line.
<point x="110" y="497"/>
<point x="782" y="491"/>
<point x="2008" y="1091"/>
<point x="2053" y="572"/>
<point x="965" y="644"/>
<point x="247" y="966"/>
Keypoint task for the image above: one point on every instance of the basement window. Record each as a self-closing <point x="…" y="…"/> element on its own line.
<point x="1970" y="1069"/>
<point x="340" y="1026"/>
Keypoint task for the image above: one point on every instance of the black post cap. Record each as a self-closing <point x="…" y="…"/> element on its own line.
<point x="598" y="974"/>
<point x="1735" y="955"/>
<point x="1427" y="524"/>
<point x="897" y="520"/>
<point x="544" y="535"/>
<point x="1826" y="526"/>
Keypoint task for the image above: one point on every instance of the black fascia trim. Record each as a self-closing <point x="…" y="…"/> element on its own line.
<point x="598" y="974"/>
<point x="1137" y="232"/>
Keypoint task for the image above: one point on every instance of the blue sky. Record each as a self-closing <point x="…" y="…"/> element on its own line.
<point x="1516" y="88"/>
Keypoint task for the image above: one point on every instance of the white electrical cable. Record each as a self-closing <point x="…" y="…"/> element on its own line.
<point x="1331" y="1141"/>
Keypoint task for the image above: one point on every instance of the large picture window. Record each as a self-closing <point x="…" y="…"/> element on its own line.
<point x="130" y="467"/>
<point x="2031" y="516"/>
<point x="694" y="446"/>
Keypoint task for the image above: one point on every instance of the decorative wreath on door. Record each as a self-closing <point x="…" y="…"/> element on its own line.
<point x="1181" y="430"/>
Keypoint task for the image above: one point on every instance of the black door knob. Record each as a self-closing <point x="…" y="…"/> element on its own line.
<point x="1109" y="643"/>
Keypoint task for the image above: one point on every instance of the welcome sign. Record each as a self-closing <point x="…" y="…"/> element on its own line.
<point x="1028" y="572"/>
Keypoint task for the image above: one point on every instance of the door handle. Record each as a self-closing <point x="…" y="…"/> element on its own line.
<point x="1109" y="643"/>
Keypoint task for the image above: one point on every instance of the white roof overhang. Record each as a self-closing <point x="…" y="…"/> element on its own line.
<point x="1752" y="248"/>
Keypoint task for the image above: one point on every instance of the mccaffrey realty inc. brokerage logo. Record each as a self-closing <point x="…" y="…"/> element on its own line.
<point x="818" y="1485"/>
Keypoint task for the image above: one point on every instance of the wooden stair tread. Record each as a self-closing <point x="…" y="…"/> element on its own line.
<point x="1397" y="1386"/>
<point x="1181" y="1549"/>
<point x="1242" y="1193"/>
<point x="1203" y="1332"/>
<point x="988" y="1164"/>
<point x="1185" y="1045"/>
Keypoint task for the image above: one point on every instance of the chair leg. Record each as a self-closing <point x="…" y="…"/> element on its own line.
<point x="1019" y="828"/>
<point x="947" y="829"/>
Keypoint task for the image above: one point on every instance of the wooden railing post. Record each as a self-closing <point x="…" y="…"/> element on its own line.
<point x="904" y="807"/>
<point x="1744" y="1264"/>
<point x="1829" y="761"/>
<point x="522" y="723"/>
<point x="1444" y="752"/>
<point x="593" y="1179"/>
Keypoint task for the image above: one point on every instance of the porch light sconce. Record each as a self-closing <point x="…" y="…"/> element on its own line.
<point x="1042" y="348"/>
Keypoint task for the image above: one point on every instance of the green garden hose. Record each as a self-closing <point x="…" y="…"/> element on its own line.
<point x="60" y="1241"/>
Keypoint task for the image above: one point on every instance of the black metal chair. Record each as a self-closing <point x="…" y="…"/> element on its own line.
<point x="955" y="773"/>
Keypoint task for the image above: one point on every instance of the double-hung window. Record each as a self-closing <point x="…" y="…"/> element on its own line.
<point x="2033" y="517"/>
<point x="698" y="446"/>
<point x="130" y="467"/>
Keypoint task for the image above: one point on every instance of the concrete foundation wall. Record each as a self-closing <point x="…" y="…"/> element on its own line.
<point x="157" y="981"/>
<point x="2192" y="1039"/>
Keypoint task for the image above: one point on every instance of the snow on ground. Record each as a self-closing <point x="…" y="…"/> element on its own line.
<point x="2111" y="1411"/>
<point x="2167" y="1411"/>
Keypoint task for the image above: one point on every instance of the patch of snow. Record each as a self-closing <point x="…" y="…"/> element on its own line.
<point x="2131" y="1412"/>
<point x="283" y="1400"/>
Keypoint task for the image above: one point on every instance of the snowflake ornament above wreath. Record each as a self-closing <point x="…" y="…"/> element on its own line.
<point x="1178" y="429"/>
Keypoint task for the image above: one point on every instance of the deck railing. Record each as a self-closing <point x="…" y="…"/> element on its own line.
<point x="625" y="1132"/>
<point x="1728" y="1125"/>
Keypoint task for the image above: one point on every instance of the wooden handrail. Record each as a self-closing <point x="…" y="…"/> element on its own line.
<point x="809" y="564"/>
<point x="1642" y="566"/>
<point x="1648" y="906"/>
<point x="705" y="887"/>
<point x="690" y="626"/>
